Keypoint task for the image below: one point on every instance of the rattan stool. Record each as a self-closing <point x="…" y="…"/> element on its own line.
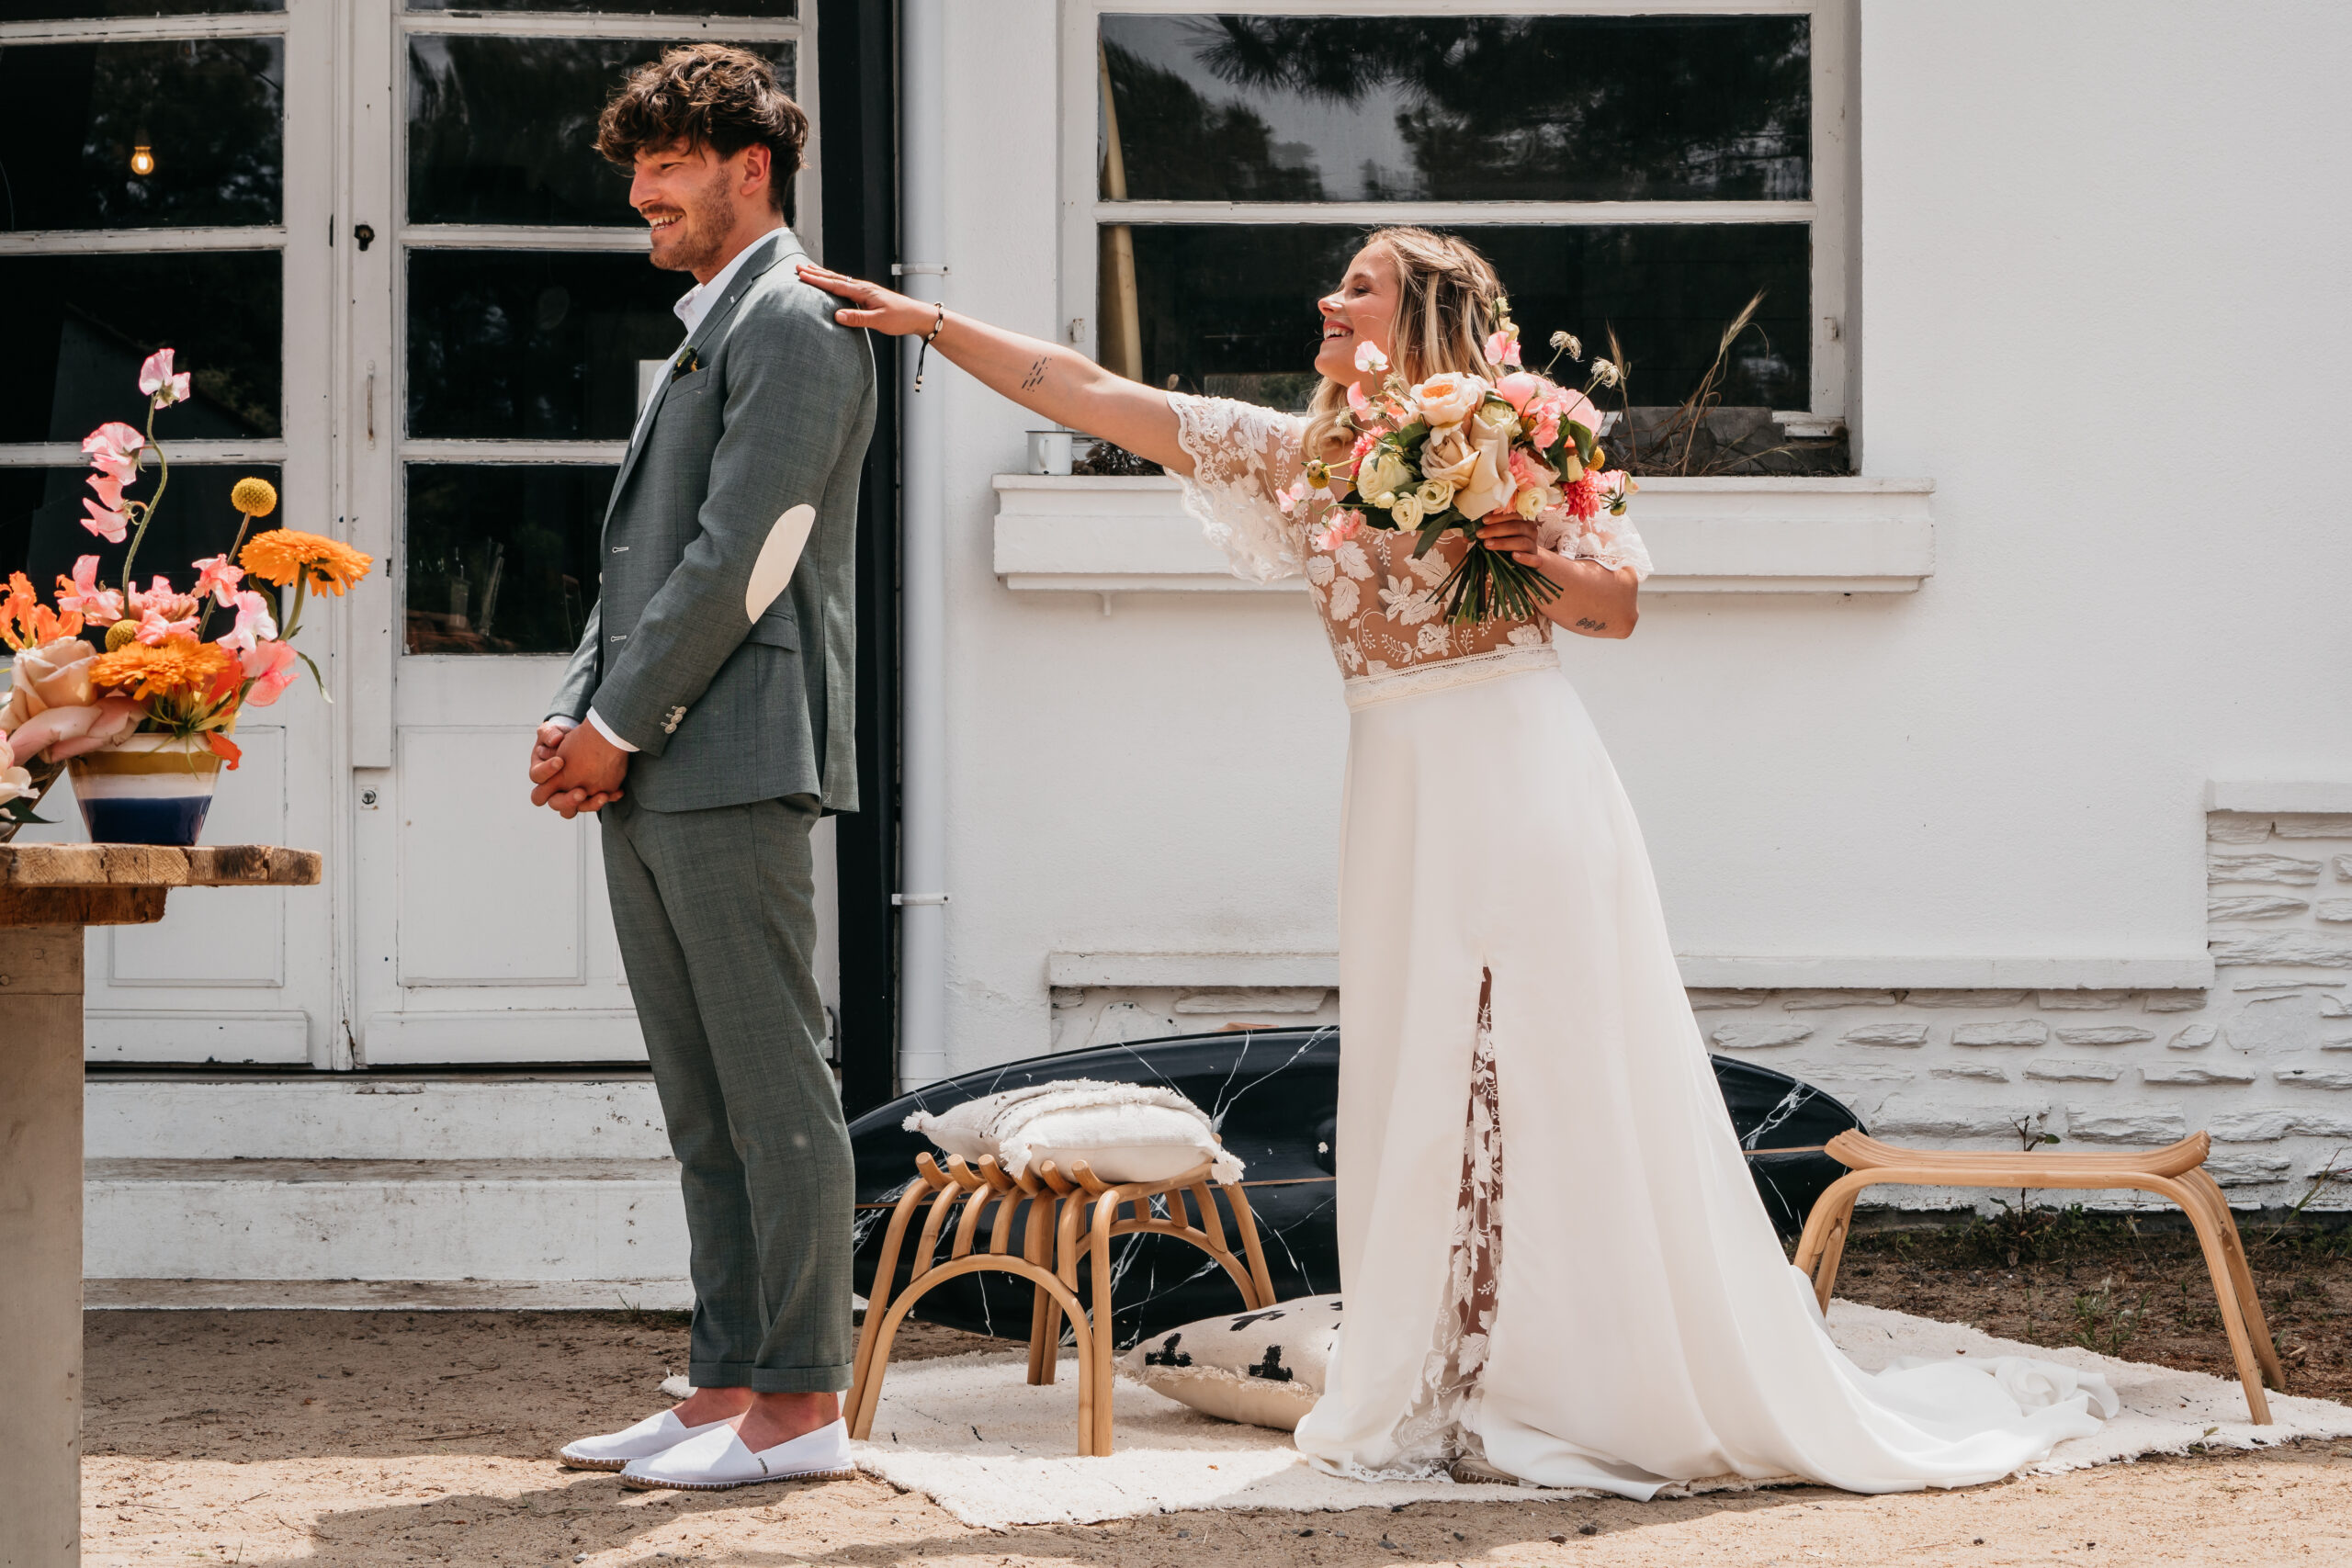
<point x="2176" y="1172"/>
<point x="1072" y="1220"/>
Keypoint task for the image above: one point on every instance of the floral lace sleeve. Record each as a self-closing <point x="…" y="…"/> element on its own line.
<point x="1612" y="541"/>
<point x="1242" y="457"/>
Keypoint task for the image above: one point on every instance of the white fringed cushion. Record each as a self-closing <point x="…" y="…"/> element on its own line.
<point x="1123" y="1131"/>
<point x="1262" y="1369"/>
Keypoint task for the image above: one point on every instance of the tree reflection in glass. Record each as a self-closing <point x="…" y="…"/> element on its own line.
<point x="1463" y="108"/>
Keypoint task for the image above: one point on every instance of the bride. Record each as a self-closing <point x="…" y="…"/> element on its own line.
<point x="1555" y="1265"/>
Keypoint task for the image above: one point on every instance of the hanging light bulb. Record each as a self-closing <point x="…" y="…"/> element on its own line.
<point x="143" y="156"/>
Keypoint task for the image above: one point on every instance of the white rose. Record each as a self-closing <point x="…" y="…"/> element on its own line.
<point x="1435" y="495"/>
<point x="1528" y="503"/>
<point x="1448" y="398"/>
<point x="1448" y="457"/>
<point x="55" y="676"/>
<point x="1489" y="485"/>
<point x="1407" y="512"/>
<point x="1383" y="473"/>
<point x="16" y="783"/>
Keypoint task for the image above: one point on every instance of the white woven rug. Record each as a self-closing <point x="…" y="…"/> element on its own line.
<point x="969" y="1432"/>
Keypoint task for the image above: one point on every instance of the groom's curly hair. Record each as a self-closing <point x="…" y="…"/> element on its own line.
<point x="706" y="94"/>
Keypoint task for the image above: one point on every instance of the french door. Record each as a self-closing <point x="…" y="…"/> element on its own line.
<point x="501" y="321"/>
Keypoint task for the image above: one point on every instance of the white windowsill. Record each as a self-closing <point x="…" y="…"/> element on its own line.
<point x="2187" y="972"/>
<point x="2263" y="797"/>
<point x="1081" y="535"/>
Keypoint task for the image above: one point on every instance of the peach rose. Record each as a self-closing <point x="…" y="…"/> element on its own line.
<point x="1448" y="398"/>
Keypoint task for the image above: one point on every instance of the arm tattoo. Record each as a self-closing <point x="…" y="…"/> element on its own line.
<point x="1036" y="373"/>
<point x="1588" y="623"/>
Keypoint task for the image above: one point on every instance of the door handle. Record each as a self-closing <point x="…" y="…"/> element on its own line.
<point x="366" y="235"/>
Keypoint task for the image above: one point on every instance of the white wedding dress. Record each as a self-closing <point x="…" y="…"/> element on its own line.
<point x="1552" y="1256"/>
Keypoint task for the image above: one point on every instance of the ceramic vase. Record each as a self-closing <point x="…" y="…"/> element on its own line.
<point x="149" y="789"/>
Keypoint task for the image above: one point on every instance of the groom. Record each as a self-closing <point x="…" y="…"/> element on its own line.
<point x="707" y="716"/>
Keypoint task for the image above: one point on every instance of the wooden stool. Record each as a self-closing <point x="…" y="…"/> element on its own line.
<point x="1069" y="1217"/>
<point x="2176" y="1172"/>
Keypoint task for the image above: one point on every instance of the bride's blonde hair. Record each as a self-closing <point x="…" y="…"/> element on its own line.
<point x="1446" y="294"/>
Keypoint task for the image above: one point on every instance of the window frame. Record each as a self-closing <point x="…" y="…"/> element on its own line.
<point x="617" y="238"/>
<point x="1828" y="212"/>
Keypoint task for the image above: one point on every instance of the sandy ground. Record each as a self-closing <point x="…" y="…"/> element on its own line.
<point x="385" y="1439"/>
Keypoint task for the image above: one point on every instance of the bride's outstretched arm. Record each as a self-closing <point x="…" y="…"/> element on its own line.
<point x="1046" y="377"/>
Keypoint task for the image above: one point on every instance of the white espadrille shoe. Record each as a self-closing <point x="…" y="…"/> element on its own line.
<point x="717" y="1462"/>
<point x="654" y="1435"/>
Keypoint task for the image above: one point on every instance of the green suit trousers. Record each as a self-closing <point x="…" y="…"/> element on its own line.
<point x="715" y="911"/>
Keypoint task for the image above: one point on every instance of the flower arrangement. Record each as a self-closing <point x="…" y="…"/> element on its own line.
<point x="104" y="664"/>
<point x="1458" y="450"/>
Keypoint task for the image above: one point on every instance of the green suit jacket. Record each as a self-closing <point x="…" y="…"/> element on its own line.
<point x="769" y="405"/>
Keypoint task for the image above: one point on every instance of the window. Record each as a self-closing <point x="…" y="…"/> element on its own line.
<point x="142" y="204"/>
<point x="527" y="310"/>
<point x="1646" y="172"/>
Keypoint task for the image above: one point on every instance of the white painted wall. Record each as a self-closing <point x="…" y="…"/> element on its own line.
<point x="2086" y="233"/>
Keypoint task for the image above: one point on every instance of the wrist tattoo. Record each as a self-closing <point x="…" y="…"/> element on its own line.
<point x="1036" y="373"/>
<point x="1587" y="624"/>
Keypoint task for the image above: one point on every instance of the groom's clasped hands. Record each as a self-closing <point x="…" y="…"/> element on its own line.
<point x="575" y="769"/>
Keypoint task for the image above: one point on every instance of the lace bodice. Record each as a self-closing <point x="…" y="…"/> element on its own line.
<point x="1379" y="604"/>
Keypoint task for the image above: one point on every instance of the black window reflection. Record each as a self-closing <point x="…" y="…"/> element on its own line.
<point x="501" y="558"/>
<point x="76" y="327"/>
<point x="1228" y="309"/>
<point x="41" y="532"/>
<point x="503" y="130"/>
<point x="57" y="10"/>
<point x="1460" y="108"/>
<point x="624" y="7"/>
<point x="539" y="345"/>
<point x="177" y="134"/>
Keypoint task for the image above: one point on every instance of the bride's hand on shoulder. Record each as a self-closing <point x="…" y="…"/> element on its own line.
<point x="872" y="306"/>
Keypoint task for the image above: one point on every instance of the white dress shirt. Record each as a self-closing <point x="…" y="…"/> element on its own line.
<point x="693" y="306"/>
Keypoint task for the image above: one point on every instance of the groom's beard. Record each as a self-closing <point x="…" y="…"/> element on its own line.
<point x="696" y="239"/>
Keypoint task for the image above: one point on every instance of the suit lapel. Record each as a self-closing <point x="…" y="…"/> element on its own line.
<point x="765" y="254"/>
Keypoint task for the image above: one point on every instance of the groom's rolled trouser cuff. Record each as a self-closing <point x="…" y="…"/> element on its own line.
<point x="768" y="1379"/>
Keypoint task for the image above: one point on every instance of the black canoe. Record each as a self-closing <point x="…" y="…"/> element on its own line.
<point x="1274" y="1094"/>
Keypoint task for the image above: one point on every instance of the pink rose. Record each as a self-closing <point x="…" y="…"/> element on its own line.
<point x="1521" y="388"/>
<point x="270" y="667"/>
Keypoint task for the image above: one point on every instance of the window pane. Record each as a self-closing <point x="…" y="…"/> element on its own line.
<point x="1459" y="109"/>
<point x="1230" y="309"/>
<point x="534" y="345"/>
<point x="41" y="532"/>
<point x="503" y="130"/>
<point x="501" y="560"/>
<point x="76" y="328"/>
<point x="624" y="7"/>
<point x="53" y="10"/>
<point x="211" y="113"/>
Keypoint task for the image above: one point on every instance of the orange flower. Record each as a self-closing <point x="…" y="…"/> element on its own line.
<point x="26" y="622"/>
<point x="280" y="554"/>
<point x="179" y="667"/>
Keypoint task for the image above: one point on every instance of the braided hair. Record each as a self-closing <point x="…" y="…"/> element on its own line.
<point x="1446" y="296"/>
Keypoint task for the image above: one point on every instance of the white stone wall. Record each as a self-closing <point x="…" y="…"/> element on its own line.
<point x="2262" y="1060"/>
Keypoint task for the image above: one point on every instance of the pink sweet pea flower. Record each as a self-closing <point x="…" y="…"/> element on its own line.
<point x="113" y="449"/>
<point x="111" y="526"/>
<point x="81" y="595"/>
<point x="270" y="667"/>
<point x="216" y="576"/>
<point x="255" y="624"/>
<point x="153" y="629"/>
<point x="155" y="380"/>
<point x="109" y="490"/>
<point x="1502" y="348"/>
<point x="1343" y="527"/>
<point x="1369" y="359"/>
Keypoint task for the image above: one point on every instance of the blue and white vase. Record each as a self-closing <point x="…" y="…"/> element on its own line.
<point x="149" y="789"/>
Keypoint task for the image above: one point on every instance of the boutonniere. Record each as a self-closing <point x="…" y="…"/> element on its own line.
<point x="689" y="360"/>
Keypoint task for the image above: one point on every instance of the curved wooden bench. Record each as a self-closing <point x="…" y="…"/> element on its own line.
<point x="1065" y="1221"/>
<point x="2176" y="1172"/>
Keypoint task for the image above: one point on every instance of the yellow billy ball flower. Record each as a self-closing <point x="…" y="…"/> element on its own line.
<point x="254" y="498"/>
<point x="121" y="635"/>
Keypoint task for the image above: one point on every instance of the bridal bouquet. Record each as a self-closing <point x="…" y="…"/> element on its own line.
<point x="1458" y="450"/>
<point x="104" y="663"/>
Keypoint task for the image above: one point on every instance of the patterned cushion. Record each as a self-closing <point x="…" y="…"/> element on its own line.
<point x="1263" y="1368"/>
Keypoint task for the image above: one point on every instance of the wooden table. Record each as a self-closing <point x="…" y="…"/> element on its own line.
<point x="47" y="894"/>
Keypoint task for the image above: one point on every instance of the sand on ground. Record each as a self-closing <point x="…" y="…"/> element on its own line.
<point x="384" y="1438"/>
